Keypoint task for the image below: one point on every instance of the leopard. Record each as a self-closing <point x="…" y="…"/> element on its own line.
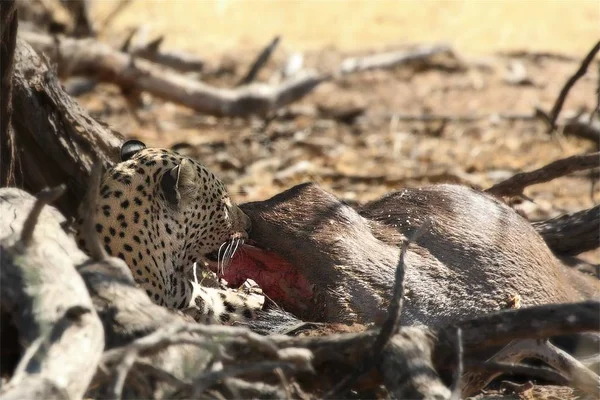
<point x="164" y="214"/>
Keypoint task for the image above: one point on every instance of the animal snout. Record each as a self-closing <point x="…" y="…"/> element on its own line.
<point x="244" y="220"/>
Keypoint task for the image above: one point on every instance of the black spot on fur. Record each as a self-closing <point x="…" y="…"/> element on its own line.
<point x="199" y="302"/>
<point x="224" y="317"/>
<point x="229" y="307"/>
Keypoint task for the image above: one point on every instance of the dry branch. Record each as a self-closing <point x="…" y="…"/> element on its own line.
<point x="515" y="185"/>
<point x="584" y="129"/>
<point x="260" y="62"/>
<point x="94" y="59"/>
<point x="571" y="234"/>
<point x="55" y="131"/>
<point x="393" y="59"/>
<point x="178" y="61"/>
<point x="569" y="84"/>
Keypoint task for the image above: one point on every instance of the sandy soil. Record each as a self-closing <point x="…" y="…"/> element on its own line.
<point x="473" y="27"/>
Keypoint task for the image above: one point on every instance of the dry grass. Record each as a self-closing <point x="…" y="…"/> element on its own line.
<point x="473" y="27"/>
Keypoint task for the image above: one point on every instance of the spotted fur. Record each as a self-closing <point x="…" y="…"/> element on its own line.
<point x="161" y="212"/>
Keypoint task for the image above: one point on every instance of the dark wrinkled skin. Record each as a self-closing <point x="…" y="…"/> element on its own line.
<point x="476" y="255"/>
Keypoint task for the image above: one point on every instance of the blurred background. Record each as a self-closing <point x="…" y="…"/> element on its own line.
<point x="473" y="27"/>
<point x="468" y="114"/>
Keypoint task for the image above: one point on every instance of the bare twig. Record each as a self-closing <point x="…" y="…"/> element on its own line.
<point x="515" y="185"/>
<point x="260" y="61"/>
<point x="456" y="388"/>
<point x="127" y="42"/>
<point x="569" y="84"/>
<point x="596" y="109"/>
<point x="179" y="61"/>
<point x="389" y="327"/>
<point x="393" y="59"/>
<point x="459" y="118"/>
<point x="45" y="197"/>
<point x="583" y="129"/>
<point x="205" y="381"/>
<point x="124" y="358"/>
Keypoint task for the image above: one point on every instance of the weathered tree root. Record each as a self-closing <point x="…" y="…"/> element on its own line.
<point x="46" y="300"/>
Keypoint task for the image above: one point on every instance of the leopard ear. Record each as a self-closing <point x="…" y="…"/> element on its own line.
<point x="179" y="183"/>
<point x="130" y="148"/>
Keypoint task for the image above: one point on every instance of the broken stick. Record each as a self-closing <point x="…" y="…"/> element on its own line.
<point x="569" y="84"/>
<point x="515" y="185"/>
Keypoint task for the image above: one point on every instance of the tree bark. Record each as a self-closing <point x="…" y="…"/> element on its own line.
<point x="8" y="37"/>
<point x="57" y="140"/>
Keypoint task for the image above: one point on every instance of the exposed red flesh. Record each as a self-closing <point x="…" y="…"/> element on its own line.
<point x="278" y="279"/>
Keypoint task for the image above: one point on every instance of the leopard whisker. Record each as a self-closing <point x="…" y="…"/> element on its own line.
<point x="219" y="256"/>
<point x="226" y="255"/>
<point x="238" y="242"/>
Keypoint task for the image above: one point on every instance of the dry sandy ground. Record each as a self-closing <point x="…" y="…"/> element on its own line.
<point x="473" y="27"/>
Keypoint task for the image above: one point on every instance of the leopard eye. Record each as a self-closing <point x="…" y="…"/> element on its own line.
<point x="130" y="148"/>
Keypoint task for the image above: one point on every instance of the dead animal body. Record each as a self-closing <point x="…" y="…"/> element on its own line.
<point x="322" y="260"/>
